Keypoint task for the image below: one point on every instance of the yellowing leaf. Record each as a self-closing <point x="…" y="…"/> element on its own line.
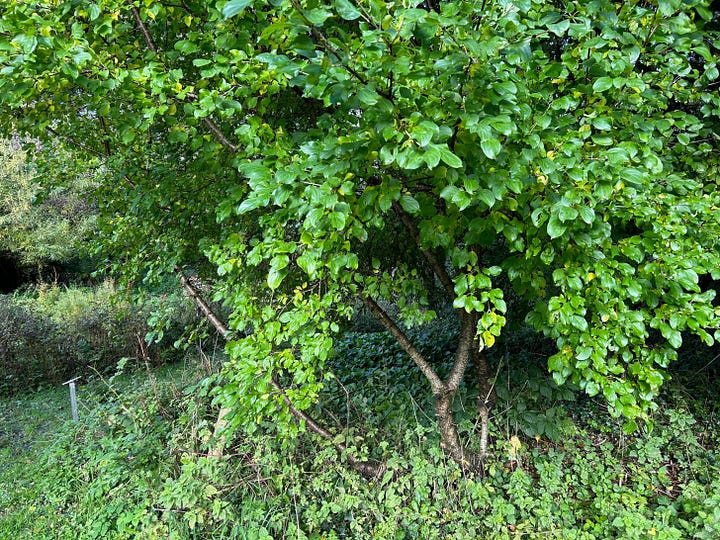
<point x="514" y="447"/>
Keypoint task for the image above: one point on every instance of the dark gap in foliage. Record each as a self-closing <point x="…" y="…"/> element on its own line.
<point x="10" y="275"/>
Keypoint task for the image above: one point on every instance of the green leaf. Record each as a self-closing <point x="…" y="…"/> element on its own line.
<point x="629" y="427"/>
<point x="346" y="10"/>
<point x="449" y="158"/>
<point x="409" y="204"/>
<point x="559" y="28"/>
<point x="491" y="147"/>
<point x="555" y="227"/>
<point x="567" y="213"/>
<point x="318" y="16"/>
<point x="275" y="277"/>
<point x="486" y="196"/>
<point x="432" y="156"/>
<point x="668" y="7"/>
<point x="27" y="43"/>
<point x="602" y="123"/>
<point x="368" y="96"/>
<point x="587" y="214"/>
<point x="424" y="132"/>
<point x="673" y="336"/>
<point x="235" y="7"/>
<point x="410" y="158"/>
<point x="602" y="84"/>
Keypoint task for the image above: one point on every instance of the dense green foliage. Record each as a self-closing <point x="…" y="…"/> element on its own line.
<point x="137" y="466"/>
<point x="43" y="222"/>
<point x="462" y="172"/>
<point x="315" y="156"/>
<point x="49" y="334"/>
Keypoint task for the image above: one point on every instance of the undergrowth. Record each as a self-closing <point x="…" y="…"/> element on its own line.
<point x="137" y="465"/>
<point x="50" y="333"/>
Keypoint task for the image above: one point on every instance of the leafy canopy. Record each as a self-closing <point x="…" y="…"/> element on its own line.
<point x="564" y="151"/>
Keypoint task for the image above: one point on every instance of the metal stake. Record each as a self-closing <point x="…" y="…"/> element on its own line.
<point x="73" y="399"/>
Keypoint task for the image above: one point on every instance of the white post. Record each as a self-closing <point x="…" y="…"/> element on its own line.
<point x="73" y="400"/>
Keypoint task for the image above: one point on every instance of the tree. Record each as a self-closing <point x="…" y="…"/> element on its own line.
<point x="565" y="152"/>
<point x="41" y="228"/>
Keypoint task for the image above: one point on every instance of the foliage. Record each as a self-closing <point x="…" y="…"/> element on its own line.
<point x="28" y="347"/>
<point x="136" y="467"/>
<point x="565" y="152"/>
<point x="40" y="224"/>
<point x="51" y="333"/>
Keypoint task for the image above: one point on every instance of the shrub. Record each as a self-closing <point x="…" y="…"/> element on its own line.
<point x="28" y="347"/>
<point x="51" y="333"/>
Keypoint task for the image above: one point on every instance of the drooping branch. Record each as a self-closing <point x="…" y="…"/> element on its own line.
<point x="435" y="381"/>
<point x="365" y="468"/>
<point x="194" y="295"/>
<point x="212" y="126"/>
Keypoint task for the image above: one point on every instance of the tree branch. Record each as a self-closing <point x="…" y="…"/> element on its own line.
<point x="438" y="387"/>
<point x="192" y="292"/>
<point x="212" y="126"/>
<point x="430" y="257"/>
<point x="106" y="140"/>
<point x="141" y="25"/>
<point x="468" y="329"/>
<point x="75" y="142"/>
<point x="367" y="469"/>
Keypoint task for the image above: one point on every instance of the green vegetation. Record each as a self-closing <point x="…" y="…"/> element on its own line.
<point x="308" y="159"/>
<point x="137" y="465"/>
<point x="41" y="224"/>
<point x="51" y="333"/>
<point x="448" y="257"/>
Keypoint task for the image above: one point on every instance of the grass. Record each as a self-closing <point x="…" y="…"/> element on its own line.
<point x="29" y="424"/>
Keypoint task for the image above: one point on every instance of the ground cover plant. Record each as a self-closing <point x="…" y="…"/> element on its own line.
<point x="138" y="465"/>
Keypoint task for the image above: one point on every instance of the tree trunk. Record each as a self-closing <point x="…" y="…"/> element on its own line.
<point x="486" y="396"/>
<point x="449" y="438"/>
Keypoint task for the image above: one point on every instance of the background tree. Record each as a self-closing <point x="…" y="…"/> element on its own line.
<point x="43" y="225"/>
<point x="498" y="147"/>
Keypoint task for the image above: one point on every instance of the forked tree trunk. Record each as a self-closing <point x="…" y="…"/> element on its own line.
<point x="445" y="390"/>
<point x="468" y="348"/>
